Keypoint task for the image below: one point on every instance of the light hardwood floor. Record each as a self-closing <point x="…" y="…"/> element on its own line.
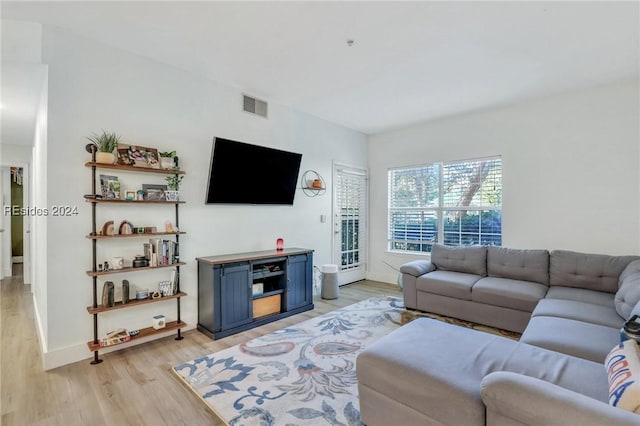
<point x="133" y="386"/>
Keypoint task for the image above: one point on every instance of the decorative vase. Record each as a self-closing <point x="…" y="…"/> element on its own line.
<point x="105" y="157"/>
<point x="172" y="195"/>
<point x="167" y="163"/>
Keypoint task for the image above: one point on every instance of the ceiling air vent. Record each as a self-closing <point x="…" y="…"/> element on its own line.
<point x="254" y="106"/>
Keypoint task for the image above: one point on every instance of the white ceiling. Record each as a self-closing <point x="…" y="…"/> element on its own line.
<point x="410" y="61"/>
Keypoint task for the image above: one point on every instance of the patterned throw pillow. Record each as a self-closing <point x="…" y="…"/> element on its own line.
<point x="623" y="371"/>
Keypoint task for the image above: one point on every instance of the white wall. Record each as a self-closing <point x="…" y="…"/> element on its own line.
<point x="21" y="42"/>
<point x="94" y="87"/>
<point x="570" y="170"/>
<point x="38" y="238"/>
<point x="15" y="154"/>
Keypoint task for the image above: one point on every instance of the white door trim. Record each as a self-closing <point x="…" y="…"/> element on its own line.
<point x="347" y="273"/>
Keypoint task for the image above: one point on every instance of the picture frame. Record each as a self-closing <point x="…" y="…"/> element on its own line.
<point x="108" y="186"/>
<point x="123" y="157"/>
<point x="154" y="192"/>
<point x="138" y="156"/>
<point x="130" y="195"/>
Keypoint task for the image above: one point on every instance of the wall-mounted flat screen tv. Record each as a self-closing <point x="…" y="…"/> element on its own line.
<point x="243" y="173"/>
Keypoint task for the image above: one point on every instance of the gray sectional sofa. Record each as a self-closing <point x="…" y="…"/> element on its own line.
<point x="569" y="306"/>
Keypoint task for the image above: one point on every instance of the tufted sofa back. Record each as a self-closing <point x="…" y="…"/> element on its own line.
<point x="517" y="264"/>
<point x="598" y="272"/>
<point x="469" y="259"/>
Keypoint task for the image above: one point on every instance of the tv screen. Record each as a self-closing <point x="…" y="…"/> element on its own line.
<point x="242" y="173"/>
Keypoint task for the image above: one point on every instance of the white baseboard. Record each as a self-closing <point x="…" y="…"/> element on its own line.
<point x="59" y="357"/>
<point x="41" y="336"/>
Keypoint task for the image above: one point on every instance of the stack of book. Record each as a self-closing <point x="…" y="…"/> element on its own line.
<point x="161" y="252"/>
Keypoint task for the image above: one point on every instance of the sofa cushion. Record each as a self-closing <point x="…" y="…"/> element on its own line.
<point x="632" y="268"/>
<point x="579" y="311"/>
<point x="525" y="265"/>
<point x="447" y="283"/>
<point x="440" y="374"/>
<point x="472" y="260"/>
<point x="581" y="295"/>
<point x="628" y="294"/>
<point x="623" y="371"/>
<point x="584" y="270"/>
<point x="571" y="337"/>
<point x="508" y="293"/>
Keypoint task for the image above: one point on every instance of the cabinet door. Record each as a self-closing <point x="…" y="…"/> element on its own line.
<point x="235" y="296"/>
<point x="299" y="281"/>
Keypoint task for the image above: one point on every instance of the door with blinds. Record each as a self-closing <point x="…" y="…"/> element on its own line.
<point x="350" y="223"/>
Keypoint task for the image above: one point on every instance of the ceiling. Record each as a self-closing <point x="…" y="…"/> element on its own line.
<point x="409" y="61"/>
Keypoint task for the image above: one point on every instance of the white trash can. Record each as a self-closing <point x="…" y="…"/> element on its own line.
<point x="329" y="281"/>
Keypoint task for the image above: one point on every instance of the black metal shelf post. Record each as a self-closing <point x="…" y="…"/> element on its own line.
<point x="179" y="336"/>
<point x="91" y="148"/>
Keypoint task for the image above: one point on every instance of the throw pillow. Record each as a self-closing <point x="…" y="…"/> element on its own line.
<point x="623" y="371"/>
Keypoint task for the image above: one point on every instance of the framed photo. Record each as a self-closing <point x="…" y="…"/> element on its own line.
<point x="138" y="156"/>
<point x="123" y="156"/>
<point x="154" y="192"/>
<point x="130" y="195"/>
<point x="109" y="186"/>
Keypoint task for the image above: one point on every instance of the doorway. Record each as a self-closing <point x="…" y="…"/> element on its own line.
<point x="350" y="223"/>
<point x="15" y="225"/>
<point x="17" y="204"/>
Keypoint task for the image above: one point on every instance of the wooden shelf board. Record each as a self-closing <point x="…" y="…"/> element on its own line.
<point x="132" y="303"/>
<point x="257" y="275"/>
<point x="131" y="269"/>
<point x="268" y="293"/>
<point x="145" y="332"/>
<point x="150" y="234"/>
<point x="134" y="169"/>
<point x="115" y="200"/>
<point x="252" y="256"/>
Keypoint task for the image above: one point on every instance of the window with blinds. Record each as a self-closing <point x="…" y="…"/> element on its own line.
<point x="456" y="203"/>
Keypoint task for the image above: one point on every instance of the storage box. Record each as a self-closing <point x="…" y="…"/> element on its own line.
<point x="266" y="305"/>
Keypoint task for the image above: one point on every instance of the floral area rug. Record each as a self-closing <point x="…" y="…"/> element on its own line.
<point x="300" y="375"/>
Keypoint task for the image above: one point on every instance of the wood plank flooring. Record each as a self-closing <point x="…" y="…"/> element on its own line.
<point x="133" y="386"/>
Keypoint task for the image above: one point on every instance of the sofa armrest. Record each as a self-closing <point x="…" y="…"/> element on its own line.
<point x="417" y="267"/>
<point x="526" y="400"/>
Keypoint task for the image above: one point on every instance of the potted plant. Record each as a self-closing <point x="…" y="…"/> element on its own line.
<point x="173" y="183"/>
<point x="167" y="160"/>
<point x="106" y="144"/>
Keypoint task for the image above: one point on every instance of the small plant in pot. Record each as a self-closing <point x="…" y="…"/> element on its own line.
<point x="106" y="143"/>
<point x="168" y="160"/>
<point x="173" y="183"/>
